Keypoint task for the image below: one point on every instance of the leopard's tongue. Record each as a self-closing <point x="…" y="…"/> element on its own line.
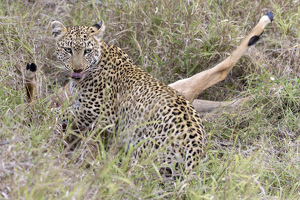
<point x="76" y="75"/>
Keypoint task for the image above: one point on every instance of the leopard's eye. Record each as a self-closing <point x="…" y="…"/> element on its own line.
<point x="87" y="51"/>
<point x="69" y="50"/>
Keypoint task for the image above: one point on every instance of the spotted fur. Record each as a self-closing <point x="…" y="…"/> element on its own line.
<point x="117" y="96"/>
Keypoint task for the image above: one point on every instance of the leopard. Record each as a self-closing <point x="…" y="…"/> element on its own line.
<point x="127" y="103"/>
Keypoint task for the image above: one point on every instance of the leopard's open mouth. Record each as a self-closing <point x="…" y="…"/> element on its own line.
<point x="76" y="75"/>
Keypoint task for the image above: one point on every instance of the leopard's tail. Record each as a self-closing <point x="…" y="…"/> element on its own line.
<point x="30" y="73"/>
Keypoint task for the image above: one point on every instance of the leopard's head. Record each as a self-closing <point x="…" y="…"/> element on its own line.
<point x="78" y="47"/>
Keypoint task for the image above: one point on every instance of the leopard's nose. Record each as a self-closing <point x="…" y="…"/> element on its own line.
<point x="77" y="70"/>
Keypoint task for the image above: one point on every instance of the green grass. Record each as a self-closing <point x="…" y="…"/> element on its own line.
<point x="254" y="150"/>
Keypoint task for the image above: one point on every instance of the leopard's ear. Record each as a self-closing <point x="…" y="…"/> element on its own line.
<point x="58" y="29"/>
<point x="97" y="30"/>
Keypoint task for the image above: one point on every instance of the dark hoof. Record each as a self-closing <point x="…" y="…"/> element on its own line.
<point x="270" y="15"/>
<point x="31" y="66"/>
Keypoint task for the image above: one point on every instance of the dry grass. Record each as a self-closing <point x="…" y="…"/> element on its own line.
<point x="254" y="151"/>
